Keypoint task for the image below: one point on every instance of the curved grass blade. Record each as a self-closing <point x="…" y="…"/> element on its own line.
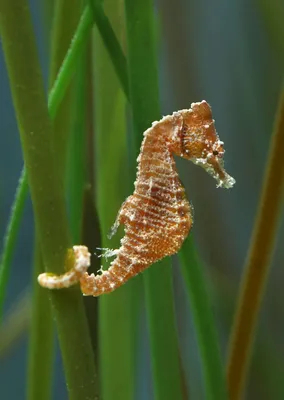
<point x="41" y="346"/>
<point x="111" y="43"/>
<point x="117" y="311"/>
<point x="195" y="283"/>
<point x="256" y="270"/>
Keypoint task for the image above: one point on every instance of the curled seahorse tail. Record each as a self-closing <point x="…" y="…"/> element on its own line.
<point x="52" y="281"/>
<point x="69" y="278"/>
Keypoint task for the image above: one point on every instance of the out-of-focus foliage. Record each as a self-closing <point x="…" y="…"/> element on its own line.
<point x="231" y="54"/>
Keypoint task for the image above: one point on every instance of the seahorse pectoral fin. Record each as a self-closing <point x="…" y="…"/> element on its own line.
<point x="106" y="253"/>
<point x="114" y="228"/>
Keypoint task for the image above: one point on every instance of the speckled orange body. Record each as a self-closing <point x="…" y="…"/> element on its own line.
<point x="157" y="217"/>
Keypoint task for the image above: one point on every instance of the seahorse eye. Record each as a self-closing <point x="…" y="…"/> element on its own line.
<point x="215" y="153"/>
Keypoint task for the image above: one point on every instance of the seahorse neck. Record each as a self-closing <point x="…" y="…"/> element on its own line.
<point x="155" y="148"/>
<point x="156" y="162"/>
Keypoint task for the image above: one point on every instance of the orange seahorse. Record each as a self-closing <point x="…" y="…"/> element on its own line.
<point x="157" y="216"/>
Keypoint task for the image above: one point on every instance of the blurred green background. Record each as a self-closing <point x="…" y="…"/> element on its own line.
<point x="231" y="54"/>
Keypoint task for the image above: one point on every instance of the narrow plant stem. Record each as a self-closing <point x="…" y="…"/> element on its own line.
<point x="77" y="148"/>
<point x="62" y="31"/>
<point x="11" y="236"/>
<point x="258" y="262"/>
<point x="91" y="238"/>
<point x="46" y="191"/>
<point x="111" y="43"/>
<point x="213" y="370"/>
<point x="46" y="13"/>
<point x="166" y="368"/>
<point x="144" y="96"/>
<point x="66" y="71"/>
<point x="117" y="311"/>
<point x="41" y="348"/>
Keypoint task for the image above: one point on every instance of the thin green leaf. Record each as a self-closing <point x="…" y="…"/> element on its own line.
<point x="111" y="43"/>
<point x="41" y="346"/>
<point x="117" y="311"/>
<point x="77" y="166"/>
<point x="195" y="281"/>
<point x="258" y="262"/>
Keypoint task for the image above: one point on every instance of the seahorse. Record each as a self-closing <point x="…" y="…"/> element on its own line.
<point x="157" y="217"/>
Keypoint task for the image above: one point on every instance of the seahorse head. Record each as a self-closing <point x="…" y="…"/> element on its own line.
<point x="200" y="143"/>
